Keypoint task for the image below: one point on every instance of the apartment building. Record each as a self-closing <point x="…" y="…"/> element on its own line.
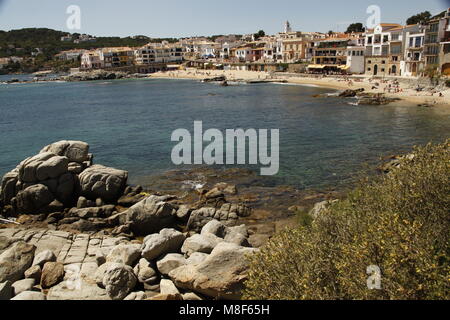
<point x="91" y="60"/>
<point x="436" y="47"/>
<point x="414" y="59"/>
<point x="159" y="53"/>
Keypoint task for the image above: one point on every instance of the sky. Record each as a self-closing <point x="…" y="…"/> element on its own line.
<point x="181" y="18"/>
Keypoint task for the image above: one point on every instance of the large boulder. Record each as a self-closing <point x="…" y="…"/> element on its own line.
<point x="33" y="198"/>
<point x="119" y="281"/>
<point x="149" y="216"/>
<point x="15" y="261"/>
<point x="228" y="214"/>
<point x="43" y="257"/>
<point x="52" y="274"/>
<point x="170" y="262"/>
<point x="145" y="273"/>
<point x="102" y="182"/>
<point x="23" y="285"/>
<point x="8" y="187"/>
<point x="158" y="244"/>
<point x="124" y="253"/>
<point x="220" y="276"/>
<point x="75" y="151"/>
<point x="200" y="243"/>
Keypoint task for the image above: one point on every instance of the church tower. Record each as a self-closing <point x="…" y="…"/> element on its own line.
<point x="287" y="27"/>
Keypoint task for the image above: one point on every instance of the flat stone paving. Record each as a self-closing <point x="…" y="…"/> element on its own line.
<point x="68" y="248"/>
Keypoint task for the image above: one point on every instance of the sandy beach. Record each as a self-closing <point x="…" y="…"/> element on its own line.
<point x="407" y="93"/>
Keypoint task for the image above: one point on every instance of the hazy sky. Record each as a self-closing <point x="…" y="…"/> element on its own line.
<point x="177" y="18"/>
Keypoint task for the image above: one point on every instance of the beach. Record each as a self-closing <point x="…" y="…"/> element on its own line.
<point x="407" y="92"/>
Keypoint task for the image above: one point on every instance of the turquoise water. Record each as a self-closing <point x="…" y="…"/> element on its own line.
<point x="128" y="124"/>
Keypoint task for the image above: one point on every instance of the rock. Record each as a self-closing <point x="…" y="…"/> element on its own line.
<point x="30" y="295"/>
<point x="167" y="287"/>
<point x="44" y="256"/>
<point x="102" y="182"/>
<point x="125" y="253"/>
<point x="136" y="296"/>
<point x="145" y="273"/>
<point x="52" y="274"/>
<point x="28" y="168"/>
<point x="200" y="243"/>
<point x="190" y="296"/>
<point x="158" y="244"/>
<point x="196" y="258"/>
<point x="214" y="193"/>
<point x="350" y="93"/>
<point x="149" y="216"/>
<point x="85" y="291"/>
<point x="8" y="186"/>
<point x="82" y="203"/>
<point x="227" y="214"/>
<point x="183" y="213"/>
<point x="214" y="227"/>
<point x="33" y="198"/>
<point x="119" y="281"/>
<point x="75" y="168"/>
<point x="6" y="290"/>
<point x="35" y="273"/>
<point x="220" y="276"/>
<point x="52" y="168"/>
<point x="15" y="261"/>
<point x="170" y="262"/>
<point x="167" y="297"/>
<point x="23" y="285"/>
<point x="128" y="201"/>
<point x="92" y="212"/>
<point x="75" y="151"/>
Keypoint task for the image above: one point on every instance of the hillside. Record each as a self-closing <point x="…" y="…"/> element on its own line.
<point x="22" y="42"/>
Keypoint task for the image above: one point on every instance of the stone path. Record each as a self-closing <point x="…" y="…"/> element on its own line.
<point x="69" y="248"/>
<point x="76" y="251"/>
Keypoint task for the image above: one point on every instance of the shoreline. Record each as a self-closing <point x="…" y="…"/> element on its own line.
<point x="407" y="95"/>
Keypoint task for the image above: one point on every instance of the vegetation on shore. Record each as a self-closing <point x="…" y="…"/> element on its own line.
<point x="398" y="222"/>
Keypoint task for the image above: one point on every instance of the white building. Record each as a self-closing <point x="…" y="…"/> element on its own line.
<point x="159" y="53"/>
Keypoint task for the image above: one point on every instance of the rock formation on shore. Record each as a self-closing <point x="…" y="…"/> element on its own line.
<point x="81" y="243"/>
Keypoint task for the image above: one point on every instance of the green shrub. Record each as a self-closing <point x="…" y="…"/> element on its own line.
<point x="447" y="83"/>
<point x="398" y="222"/>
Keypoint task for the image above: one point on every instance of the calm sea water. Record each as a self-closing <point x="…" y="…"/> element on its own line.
<point x="128" y="124"/>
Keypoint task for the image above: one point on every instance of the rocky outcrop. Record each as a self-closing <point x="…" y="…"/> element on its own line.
<point x="102" y="182"/>
<point x="149" y="215"/>
<point x="220" y="276"/>
<point x="228" y="214"/>
<point x="56" y="177"/>
<point x="168" y="265"/>
<point x="158" y="244"/>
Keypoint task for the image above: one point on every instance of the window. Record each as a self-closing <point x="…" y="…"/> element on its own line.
<point x="369" y="69"/>
<point x="383" y="62"/>
<point x="394" y="58"/>
<point x="385" y="38"/>
<point x="382" y="69"/>
<point x="369" y="40"/>
<point x="395" y="36"/>
<point x="369" y="61"/>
